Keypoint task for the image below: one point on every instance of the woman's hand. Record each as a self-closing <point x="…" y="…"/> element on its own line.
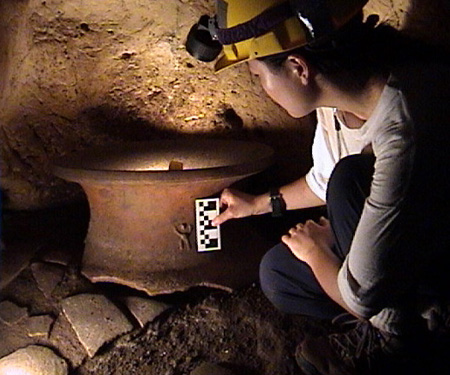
<point x="311" y="243"/>
<point x="237" y="205"/>
<point x="309" y="239"/>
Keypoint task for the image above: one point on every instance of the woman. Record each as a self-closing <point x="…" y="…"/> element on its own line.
<point x="384" y="250"/>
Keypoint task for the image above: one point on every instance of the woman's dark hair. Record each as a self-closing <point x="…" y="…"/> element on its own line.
<point x="357" y="52"/>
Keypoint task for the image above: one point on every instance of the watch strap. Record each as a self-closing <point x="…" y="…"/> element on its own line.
<point x="277" y="203"/>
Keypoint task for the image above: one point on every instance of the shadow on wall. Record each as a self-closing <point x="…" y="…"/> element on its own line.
<point x="117" y="123"/>
<point x="428" y="21"/>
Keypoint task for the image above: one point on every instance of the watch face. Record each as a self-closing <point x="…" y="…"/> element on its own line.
<point x="274" y="194"/>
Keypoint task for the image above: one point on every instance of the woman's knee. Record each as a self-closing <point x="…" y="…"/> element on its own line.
<point x="349" y="185"/>
<point x="290" y="285"/>
<point x="281" y="276"/>
<point x="276" y="275"/>
<point x="348" y="188"/>
<point x="352" y="175"/>
<point x="268" y="268"/>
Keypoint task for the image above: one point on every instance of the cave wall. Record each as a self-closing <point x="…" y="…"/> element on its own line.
<point x="77" y="73"/>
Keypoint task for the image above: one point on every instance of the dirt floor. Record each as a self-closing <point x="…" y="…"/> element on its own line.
<point x="240" y="331"/>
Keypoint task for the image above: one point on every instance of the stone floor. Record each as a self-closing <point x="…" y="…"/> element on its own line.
<point x="47" y="307"/>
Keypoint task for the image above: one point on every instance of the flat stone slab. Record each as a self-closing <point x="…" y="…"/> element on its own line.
<point x="47" y="276"/>
<point x="15" y="261"/>
<point x="11" y="314"/>
<point x="56" y="256"/>
<point x="95" y="319"/>
<point x="28" y="330"/>
<point x="211" y="369"/>
<point x="33" y="360"/>
<point x="145" y="310"/>
<point x="63" y="337"/>
<point x="39" y="325"/>
<point x="12" y="338"/>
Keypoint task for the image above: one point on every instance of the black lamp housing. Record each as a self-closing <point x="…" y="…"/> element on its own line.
<point x="201" y="42"/>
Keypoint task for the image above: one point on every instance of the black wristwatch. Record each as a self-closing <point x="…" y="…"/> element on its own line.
<point x="277" y="202"/>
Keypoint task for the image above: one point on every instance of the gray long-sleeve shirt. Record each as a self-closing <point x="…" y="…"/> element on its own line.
<point x="408" y="131"/>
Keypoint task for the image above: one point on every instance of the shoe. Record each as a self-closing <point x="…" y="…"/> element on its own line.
<point x="362" y="350"/>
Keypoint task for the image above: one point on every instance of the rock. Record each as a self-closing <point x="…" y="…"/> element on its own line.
<point x="145" y="310"/>
<point x="211" y="369"/>
<point x="33" y="360"/>
<point x="56" y="256"/>
<point x="63" y="337"/>
<point x="14" y="262"/>
<point x="39" y="325"/>
<point x="47" y="277"/>
<point x="10" y="313"/>
<point x="95" y="319"/>
<point x="12" y="338"/>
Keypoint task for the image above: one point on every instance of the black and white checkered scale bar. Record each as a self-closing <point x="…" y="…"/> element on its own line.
<point x="208" y="235"/>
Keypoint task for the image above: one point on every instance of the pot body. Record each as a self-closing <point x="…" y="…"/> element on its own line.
<point x="145" y="227"/>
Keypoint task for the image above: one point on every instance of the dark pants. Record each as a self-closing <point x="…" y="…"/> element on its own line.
<point x="288" y="282"/>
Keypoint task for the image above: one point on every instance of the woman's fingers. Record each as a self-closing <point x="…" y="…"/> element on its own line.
<point x="323" y="220"/>
<point x="221" y="218"/>
<point x="226" y="200"/>
<point x="237" y="205"/>
<point x="225" y="197"/>
<point x="295" y="229"/>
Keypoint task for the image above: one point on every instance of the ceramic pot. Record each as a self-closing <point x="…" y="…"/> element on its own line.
<point x="142" y="214"/>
